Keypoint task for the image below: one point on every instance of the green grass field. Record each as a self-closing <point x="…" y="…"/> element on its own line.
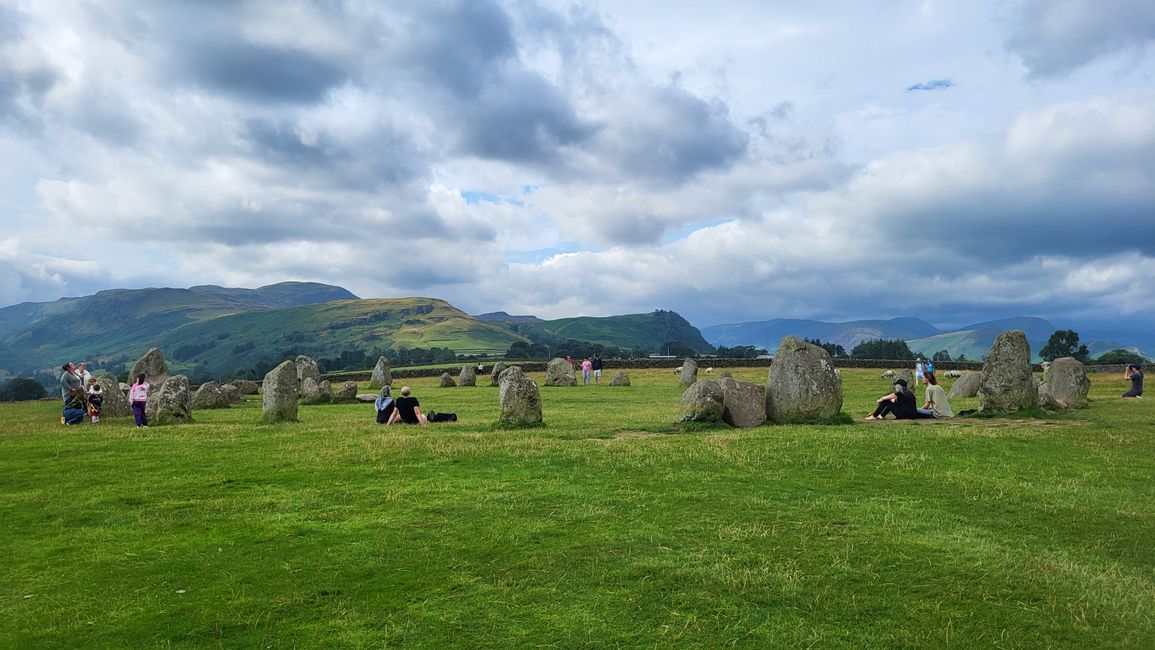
<point x="609" y="527"/>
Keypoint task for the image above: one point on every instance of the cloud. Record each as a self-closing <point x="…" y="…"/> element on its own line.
<point x="934" y="84"/>
<point x="1055" y="37"/>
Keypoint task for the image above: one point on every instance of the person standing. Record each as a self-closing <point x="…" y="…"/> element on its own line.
<point x="597" y="362"/>
<point x="82" y="372"/>
<point x="138" y="395"/>
<point x="95" y="400"/>
<point x="919" y="371"/>
<point x="1134" y="372"/>
<point x="587" y="368"/>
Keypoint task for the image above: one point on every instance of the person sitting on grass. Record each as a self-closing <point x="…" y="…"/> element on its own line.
<point x="408" y="410"/>
<point x="936" y="405"/>
<point x="1134" y="372"/>
<point x="901" y="403"/>
<point x="384" y="404"/>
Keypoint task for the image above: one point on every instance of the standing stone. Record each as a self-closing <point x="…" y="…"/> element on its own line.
<point x="116" y="404"/>
<point x="314" y="393"/>
<point x="307" y="367"/>
<point x="559" y="373"/>
<point x="174" y="402"/>
<point x="382" y="376"/>
<point x="467" y="376"/>
<point x="154" y="367"/>
<point x="702" y="402"/>
<point x="210" y="396"/>
<point x="280" y="394"/>
<point x="519" y="397"/>
<point x="620" y="379"/>
<point x="1007" y="382"/>
<point x="966" y="385"/>
<point x="689" y="373"/>
<point x="906" y="374"/>
<point x="247" y="386"/>
<point x="802" y="385"/>
<point x="495" y="376"/>
<point x="1067" y="384"/>
<point x="743" y="404"/>
<point x="233" y="393"/>
<point x="348" y="393"/>
<point x="447" y="380"/>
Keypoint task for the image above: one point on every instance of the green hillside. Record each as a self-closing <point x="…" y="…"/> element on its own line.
<point x="645" y="331"/>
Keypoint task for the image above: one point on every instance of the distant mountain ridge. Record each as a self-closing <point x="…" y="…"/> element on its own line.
<point x="645" y="331"/>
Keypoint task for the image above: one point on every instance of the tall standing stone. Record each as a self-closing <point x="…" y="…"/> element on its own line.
<point x="173" y="402"/>
<point x="1067" y="384"/>
<point x="279" y="390"/>
<point x="702" y="402"/>
<point x="154" y="367"/>
<point x="467" y="376"/>
<point x="689" y="373"/>
<point x="447" y="380"/>
<point x="307" y="369"/>
<point x="495" y="376"/>
<point x="382" y="376"/>
<point x="210" y="396"/>
<point x="1007" y="383"/>
<point x="802" y="384"/>
<point x="116" y="404"/>
<point x="519" y="397"/>
<point x="743" y="403"/>
<point x="559" y="372"/>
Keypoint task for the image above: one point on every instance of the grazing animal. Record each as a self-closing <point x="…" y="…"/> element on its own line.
<point x="678" y="370"/>
<point x="709" y="370"/>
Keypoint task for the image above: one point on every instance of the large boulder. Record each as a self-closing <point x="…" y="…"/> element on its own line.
<point x="210" y="396"/>
<point x="967" y="385"/>
<point x="1006" y="384"/>
<point x="116" y="404"/>
<point x="520" y="400"/>
<point x="559" y="373"/>
<point x="620" y="379"/>
<point x="702" y="402"/>
<point x="315" y="393"/>
<point x="247" y="386"/>
<point x="447" y="380"/>
<point x="495" y="376"/>
<point x="382" y="376"/>
<point x="346" y="394"/>
<point x="467" y="376"/>
<point x="173" y="402"/>
<point x="743" y="403"/>
<point x="233" y="393"/>
<point x="689" y="373"/>
<point x="279" y="390"/>
<point x="154" y="367"/>
<point x="906" y="374"/>
<point x="802" y="384"/>
<point x="1067" y="384"/>
<point x="307" y="368"/>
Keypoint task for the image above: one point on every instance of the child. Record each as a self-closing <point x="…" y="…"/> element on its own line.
<point x="95" y="400"/>
<point x="138" y="395"/>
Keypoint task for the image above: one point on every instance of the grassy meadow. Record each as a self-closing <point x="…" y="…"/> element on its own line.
<point x="611" y="526"/>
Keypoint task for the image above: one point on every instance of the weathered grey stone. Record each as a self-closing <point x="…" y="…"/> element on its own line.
<point x="967" y="385"/>
<point x="495" y="376"/>
<point x="724" y="375"/>
<point x="315" y="393"/>
<point x="174" y="402"/>
<point x="703" y="401"/>
<point x="743" y="404"/>
<point x="447" y="380"/>
<point x="116" y="404"/>
<point x="802" y="385"/>
<point x="559" y="373"/>
<point x="520" y="400"/>
<point x="467" y="376"/>
<point x="366" y="398"/>
<point x="233" y="393"/>
<point x="1007" y="384"/>
<point x="279" y="392"/>
<point x="154" y="367"/>
<point x="210" y="396"/>
<point x="347" y="393"/>
<point x="1067" y="384"/>
<point x="689" y="373"/>
<point x="906" y="374"/>
<point x="620" y="379"/>
<point x="247" y="386"/>
<point x="382" y="376"/>
<point x="307" y="367"/>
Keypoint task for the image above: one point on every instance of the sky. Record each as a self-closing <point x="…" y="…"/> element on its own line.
<point x="957" y="161"/>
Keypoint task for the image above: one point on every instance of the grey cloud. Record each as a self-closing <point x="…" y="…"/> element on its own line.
<point x="461" y="43"/>
<point x="1054" y="37"/>
<point x="263" y="73"/>
<point x="934" y="84"/>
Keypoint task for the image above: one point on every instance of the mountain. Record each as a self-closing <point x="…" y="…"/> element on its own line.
<point x="645" y="331"/>
<point x="975" y="340"/>
<point x="502" y="317"/>
<point x="767" y="334"/>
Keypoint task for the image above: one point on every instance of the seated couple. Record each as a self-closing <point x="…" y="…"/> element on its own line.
<point x="406" y="409"/>
<point x="902" y="402"/>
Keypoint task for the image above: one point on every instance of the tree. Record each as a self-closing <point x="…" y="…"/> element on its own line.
<point x="678" y="349"/>
<point x="835" y="350"/>
<point x="895" y="349"/>
<point x="1120" y="356"/>
<point x="941" y="355"/>
<point x="1064" y="343"/>
<point x="21" y="389"/>
<point x="740" y="352"/>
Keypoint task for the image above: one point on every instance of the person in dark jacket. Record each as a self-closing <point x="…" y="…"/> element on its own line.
<point x="902" y="403"/>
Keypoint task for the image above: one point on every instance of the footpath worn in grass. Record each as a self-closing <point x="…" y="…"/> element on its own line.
<point x="610" y="526"/>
